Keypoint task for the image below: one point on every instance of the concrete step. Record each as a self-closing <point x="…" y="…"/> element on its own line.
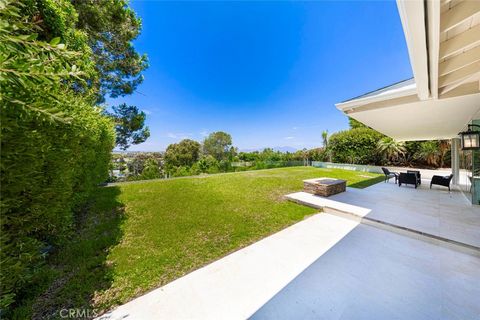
<point x="424" y="236"/>
<point x="360" y="215"/>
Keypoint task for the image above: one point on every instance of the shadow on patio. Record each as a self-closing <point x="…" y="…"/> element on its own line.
<point x="376" y="274"/>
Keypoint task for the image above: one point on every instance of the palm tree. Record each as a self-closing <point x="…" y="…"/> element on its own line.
<point x="430" y="152"/>
<point x="434" y="152"/>
<point x="444" y="147"/>
<point x="325" y="145"/>
<point x="390" y="149"/>
<point x="325" y="138"/>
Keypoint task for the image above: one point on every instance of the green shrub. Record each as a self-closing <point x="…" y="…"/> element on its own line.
<point x="55" y="148"/>
<point x="208" y="164"/>
<point x="181" y="171"/>
<point x="225" y="166"/>
<point x="151" y="170"/>
<point x="318" y="154"/>
<point x="356" y="145"/>
<point x="260" y="165"/>
<point x="195" y="169"/>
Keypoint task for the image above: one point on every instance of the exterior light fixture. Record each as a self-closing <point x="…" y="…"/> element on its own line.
<point x="470" y="138"/>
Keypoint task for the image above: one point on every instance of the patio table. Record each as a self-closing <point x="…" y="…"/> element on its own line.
<point x="419" y="176"/>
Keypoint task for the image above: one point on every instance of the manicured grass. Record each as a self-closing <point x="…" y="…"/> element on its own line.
<point x="139" y="236"/>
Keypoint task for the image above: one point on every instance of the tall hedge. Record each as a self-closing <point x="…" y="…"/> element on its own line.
<point x="357" y="145"/>
<point x="55" y="147"/>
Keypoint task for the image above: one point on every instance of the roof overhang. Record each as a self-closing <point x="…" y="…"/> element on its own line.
<point x="398" y="91"/>
<point x="422" y="119"/>
<point x="443" y="39"/>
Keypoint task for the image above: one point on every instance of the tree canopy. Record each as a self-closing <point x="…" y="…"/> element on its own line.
<point x="218" y="145"/>
<point x="101" y="34"/>
<point x="357" y="145"/>
<point x="184" y="153"/>
<point x="354" y="124"/>
<point x="129" y="125"/>
<point x="111" y="26"/>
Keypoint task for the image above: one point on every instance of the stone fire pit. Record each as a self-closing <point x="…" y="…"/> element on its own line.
<point x="324" y="186"/>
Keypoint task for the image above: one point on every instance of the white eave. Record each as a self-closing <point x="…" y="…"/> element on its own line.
<point x="403" y="89"/>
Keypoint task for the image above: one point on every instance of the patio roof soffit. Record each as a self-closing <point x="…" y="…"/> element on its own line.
<point x="458" y="64"/>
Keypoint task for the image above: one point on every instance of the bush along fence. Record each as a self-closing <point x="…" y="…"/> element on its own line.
<point x="56" y="147"/>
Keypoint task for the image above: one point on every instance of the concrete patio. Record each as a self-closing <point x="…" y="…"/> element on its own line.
<point x="377" y="274"/>
<point x="435" y="213"/>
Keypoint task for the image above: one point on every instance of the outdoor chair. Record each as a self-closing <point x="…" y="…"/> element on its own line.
<point x="408" y="178"/>
<point x="388" y="175"/>
<point x="419" y="176"/>
<point x="442" y="181"/>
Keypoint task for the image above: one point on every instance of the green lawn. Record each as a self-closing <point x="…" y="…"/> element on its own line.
<point x="142" y="235"/>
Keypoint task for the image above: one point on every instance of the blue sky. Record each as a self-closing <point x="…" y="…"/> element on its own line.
<point x="268" y="73"/>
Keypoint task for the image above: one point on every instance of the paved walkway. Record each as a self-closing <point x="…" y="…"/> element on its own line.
<point x="239" y="284"/>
